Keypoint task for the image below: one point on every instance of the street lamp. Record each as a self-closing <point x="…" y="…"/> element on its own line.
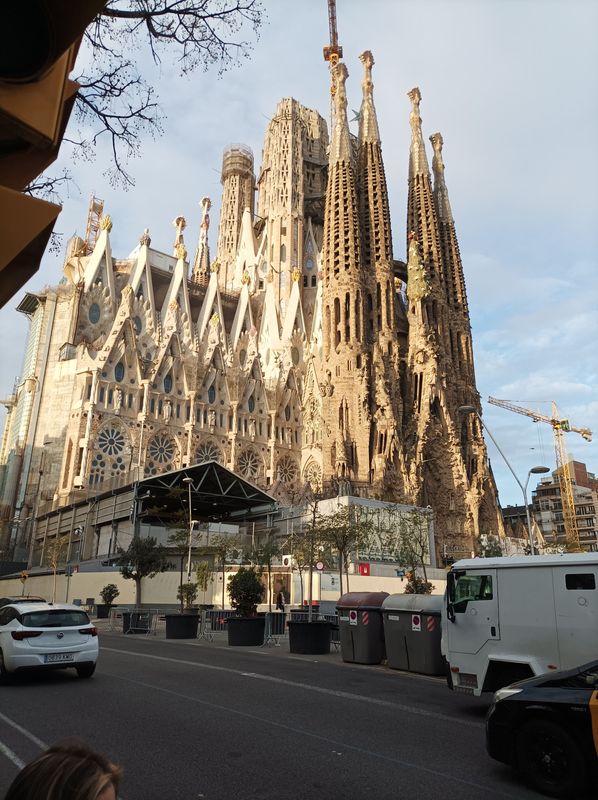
<point x="532" y="471"/>
<point x="189" y="482"/>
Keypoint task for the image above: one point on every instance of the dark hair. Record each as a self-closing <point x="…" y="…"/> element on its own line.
<point x="68" y="770"/>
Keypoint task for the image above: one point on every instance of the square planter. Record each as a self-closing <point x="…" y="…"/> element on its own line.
<point x="309" y="638"/>
<point x="181" y="626"/>
<point x="246" y="631"/>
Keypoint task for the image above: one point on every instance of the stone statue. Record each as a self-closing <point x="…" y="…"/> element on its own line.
<point x="167" y="410"/>
<point x="211" y="420"/>
<point x="118" y="400"/>
<point x="252" y="429"/>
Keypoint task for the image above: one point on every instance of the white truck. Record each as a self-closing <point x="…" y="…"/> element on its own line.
<point x="505" y="619"/>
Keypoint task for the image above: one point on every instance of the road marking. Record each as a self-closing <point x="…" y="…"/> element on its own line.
<point x="11" y="756"/>
<point x="27" y="734"/>
<point x="422" y="712"/>
<point x="486" y="792"/>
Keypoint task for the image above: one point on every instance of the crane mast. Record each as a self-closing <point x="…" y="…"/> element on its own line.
<point x="333" y="52"/>
<point x="560" y="426"/>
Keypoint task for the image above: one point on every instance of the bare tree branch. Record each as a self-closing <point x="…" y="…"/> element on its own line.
<point x="117" y="98"/>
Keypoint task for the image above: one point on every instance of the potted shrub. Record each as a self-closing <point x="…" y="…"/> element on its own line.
<point x="183" y="625"/>
<point x="108" y="594"/>
<point x="246" y="591"/>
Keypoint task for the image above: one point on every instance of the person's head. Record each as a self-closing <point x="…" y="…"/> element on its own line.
<point x="69" y="770"/>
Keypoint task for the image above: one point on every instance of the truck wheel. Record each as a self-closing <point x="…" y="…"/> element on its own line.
<point x="550" y="759"/>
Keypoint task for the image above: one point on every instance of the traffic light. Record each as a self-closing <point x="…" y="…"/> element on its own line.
<point x="39" y="41"/>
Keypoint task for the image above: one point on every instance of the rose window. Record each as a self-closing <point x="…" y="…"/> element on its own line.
<point x="287" y="470"/>
<point x="161" y="449"/>
<point x="313" y="475"/>
<point x="249" y="464"/>
<point x="111" y="441"/>
<point x="207" y="452"/>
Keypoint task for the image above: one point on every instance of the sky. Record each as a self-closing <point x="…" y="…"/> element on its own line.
<point x="512" y="85"/>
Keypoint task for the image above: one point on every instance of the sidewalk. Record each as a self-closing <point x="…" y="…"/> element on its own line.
<point x="276" y="644"/>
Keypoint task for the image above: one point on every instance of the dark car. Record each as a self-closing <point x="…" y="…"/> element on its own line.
<point x="29" y="598"/>
<point x="547" y="727"/>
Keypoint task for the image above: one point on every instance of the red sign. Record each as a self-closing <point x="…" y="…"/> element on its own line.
<point x="430" y="624"/>
<point x="365" y="618"/>
<point x="364" y="569"/>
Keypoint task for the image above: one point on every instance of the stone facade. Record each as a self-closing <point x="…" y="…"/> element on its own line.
<point x="304" y="352"/>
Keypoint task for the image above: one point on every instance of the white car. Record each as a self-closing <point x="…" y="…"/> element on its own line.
<point x="46" y="635"/>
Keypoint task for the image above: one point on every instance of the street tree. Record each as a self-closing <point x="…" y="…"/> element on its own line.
<point x="263" y="556"/>
<point x="56" y="552"/>
<point x="414" y="550"/>
<point x="346" y="530"/>
<point x="144" y="558"/>
<point x="224" y="549"/>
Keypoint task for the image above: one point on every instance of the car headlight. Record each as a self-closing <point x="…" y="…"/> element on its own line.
<point x="502" y="694"/>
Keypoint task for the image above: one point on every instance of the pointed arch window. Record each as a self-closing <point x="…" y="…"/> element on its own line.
<point x="168" y="383"/>
<point x="119" y="372"/>
<point x="138" y="325"/>
<point x="212" y="395"/>
<point x="251" y="403"/>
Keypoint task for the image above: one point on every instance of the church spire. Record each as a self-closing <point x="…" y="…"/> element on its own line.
<point x="457" y="296"/>
<point x="340" y="146"/>
<point x="368" y="122"/>
<point x="418" y="162"/>
<point x="201" y="266"/>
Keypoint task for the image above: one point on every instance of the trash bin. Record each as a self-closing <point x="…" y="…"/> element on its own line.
<point x="412" y="633"/>
<point x="361" y="629"/>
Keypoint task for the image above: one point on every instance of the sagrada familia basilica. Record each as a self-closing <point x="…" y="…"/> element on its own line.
<point x="302" y="352"/>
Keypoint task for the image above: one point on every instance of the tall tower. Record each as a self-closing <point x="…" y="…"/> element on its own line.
<point x="378" y="262"/>
<point x="291" y="181"/>
<point x="445" y="452"/>
<point x="348" y="312"/>
<point x="238" y="183"/>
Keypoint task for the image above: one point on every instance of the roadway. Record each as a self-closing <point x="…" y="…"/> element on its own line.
<point x="202" y="721"/>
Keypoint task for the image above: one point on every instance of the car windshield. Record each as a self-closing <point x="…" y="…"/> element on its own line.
<point x="54" y="618"/>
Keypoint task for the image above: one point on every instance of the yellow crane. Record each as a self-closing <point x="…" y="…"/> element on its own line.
<point x="559" y="426"/>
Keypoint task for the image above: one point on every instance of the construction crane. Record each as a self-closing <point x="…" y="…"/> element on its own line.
<point x="559" y="426"/>
<point x="333" y="52"/>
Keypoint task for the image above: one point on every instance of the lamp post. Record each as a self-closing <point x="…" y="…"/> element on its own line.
<point x="532" y="471"/>
<point x="189" y="482"/>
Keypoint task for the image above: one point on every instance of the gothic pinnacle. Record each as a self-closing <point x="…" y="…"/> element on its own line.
<point x="368" y="123"/>
<point x="418" y="159"/>
<point x="340" y="147"/>
<point x="443" y="205"/>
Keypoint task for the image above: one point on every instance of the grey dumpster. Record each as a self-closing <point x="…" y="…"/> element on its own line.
<point x="360" y="625"/>
<point x="412" y="633"/>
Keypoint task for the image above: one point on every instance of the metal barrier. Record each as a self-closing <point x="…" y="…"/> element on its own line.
<point x="142" y="622"/>
<point x="218" y="617"/>
<point x="205" y="627"/>
<point x="275" y="628"/>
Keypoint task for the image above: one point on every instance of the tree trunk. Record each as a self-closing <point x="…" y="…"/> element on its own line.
<point x="223" y="587"/>
<point x="269" y="587"/>
<point x="340" y="571"/>
<point x="181" y="583"/>
<point x="137" y="592"/>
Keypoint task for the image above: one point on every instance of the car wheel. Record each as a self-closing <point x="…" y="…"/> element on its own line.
<point x="86" y="670"/>
<point x="4" y="676"/>
<point x="550" y="759"/>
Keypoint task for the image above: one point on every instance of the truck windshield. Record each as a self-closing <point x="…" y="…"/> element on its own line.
<point x="471" y="587"/>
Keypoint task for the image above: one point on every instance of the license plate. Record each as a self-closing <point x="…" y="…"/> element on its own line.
<point x="56" y="658"/>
